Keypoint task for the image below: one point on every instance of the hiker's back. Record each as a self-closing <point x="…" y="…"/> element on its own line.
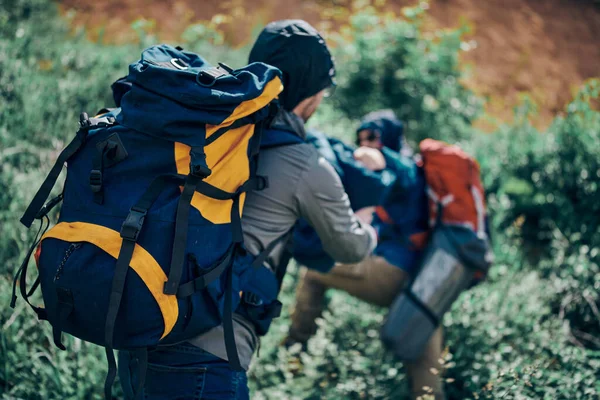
<point x="301" y="184"/>
<point x="272" y="212"/>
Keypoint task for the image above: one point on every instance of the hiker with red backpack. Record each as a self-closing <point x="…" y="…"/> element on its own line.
<point x="365" y="174"/>
<point x="151" y="255"/>
<point x="405" y="220"/>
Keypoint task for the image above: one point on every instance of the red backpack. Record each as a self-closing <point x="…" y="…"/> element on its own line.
<point x="453" y="186"/>
<point x="457" y="255"/>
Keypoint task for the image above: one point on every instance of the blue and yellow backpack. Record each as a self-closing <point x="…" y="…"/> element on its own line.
<point x="148" y="245"/>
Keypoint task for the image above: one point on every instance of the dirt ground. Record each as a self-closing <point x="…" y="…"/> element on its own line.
<point x="542" y="47"/>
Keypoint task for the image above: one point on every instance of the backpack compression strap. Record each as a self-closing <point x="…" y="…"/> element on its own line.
<point x="263" y="255"/>
<point x="253" y="183"/>
<point x="194" y="184"/>
<point x="21" y="274"/>
<point x="177" y="260"/>
<point x="130" y="232"/>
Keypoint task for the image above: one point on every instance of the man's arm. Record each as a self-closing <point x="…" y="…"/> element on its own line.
<point x="323" y="202"/>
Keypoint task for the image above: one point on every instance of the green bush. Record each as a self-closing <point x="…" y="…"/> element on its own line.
<point x="387" y="62"/>
<point x="504" y="339"/>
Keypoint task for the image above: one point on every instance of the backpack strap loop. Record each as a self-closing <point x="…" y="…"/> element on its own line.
<point x="252" y="299"/>
<point x="179" y="64"/>
<point x="273" y="310"/>
<point x="236" y="219"/>
<point x="85" y="125"/>
<point x="130" y="231"/>
<point x="201" y="282"/>
<point x="46" y="208"/>
<point x="257" y="310"/>
<point x="142" y="364"/>
<point x="263" y="255"/>
<point x="100" y="161"/>
<point x="65" y="308"/>
<point x="180" y="238"/>
<point x="44" y="191"/>
<point x="229" y="334"/>
<point x="21" y="275"/>
<point x="258" y="182"/>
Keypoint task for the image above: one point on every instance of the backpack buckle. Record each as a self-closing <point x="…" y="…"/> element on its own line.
<point x="131" y="228"/>
<point x="96" y="180"/>
<point x="208" y="77"/>
<point x="199" y="170"/>
<point x="179" y="64"/>
<point x="198" y="166"/>
<point x="84" y="120"/>
<point x="252" y="299"/>
<point x="274" y="309"/>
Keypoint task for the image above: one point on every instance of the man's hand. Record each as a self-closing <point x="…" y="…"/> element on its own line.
<point x="371" y="158"/>
<point x="365" y="214"/>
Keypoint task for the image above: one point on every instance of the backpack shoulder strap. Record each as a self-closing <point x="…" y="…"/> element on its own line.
<point x="263" y="255"/>
<point x="272" y="138"/>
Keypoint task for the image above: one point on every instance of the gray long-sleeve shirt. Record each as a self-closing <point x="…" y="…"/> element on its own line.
<point x="302" y="184"/>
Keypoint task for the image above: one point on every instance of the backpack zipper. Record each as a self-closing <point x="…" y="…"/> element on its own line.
<point x="70" y="250"/>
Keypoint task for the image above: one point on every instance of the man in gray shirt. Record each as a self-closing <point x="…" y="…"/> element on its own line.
<point x="301" y="185"/>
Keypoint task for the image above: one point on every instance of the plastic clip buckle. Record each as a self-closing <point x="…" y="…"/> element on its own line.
<point x="96" y="180"/>
<point x="131" y="228"/>
<point x="252" y="299"/>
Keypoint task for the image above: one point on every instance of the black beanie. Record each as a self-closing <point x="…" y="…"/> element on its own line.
<point x="387" y="124"/>
<point x="299" y="51"/>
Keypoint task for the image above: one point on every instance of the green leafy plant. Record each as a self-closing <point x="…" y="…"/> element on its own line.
<point x="388" y="62"/>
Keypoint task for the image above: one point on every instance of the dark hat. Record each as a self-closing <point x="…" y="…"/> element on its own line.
<point x="299" y="51"/>
<point x="387" y="124"/>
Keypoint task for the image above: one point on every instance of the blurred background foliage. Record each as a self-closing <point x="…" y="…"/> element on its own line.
<point x="531" y="331"/>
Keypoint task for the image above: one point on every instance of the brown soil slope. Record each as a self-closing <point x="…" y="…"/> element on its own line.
<point x="542" y="47"/>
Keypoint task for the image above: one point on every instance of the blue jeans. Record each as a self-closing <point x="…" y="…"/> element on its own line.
<point x="183" y="372"/>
